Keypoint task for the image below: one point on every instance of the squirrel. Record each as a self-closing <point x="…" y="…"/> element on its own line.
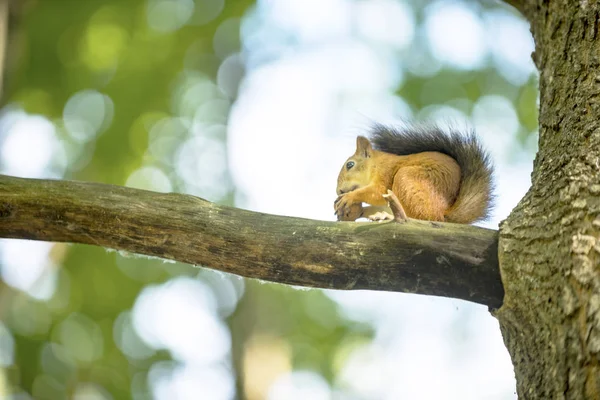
<point x="435" y="175"/>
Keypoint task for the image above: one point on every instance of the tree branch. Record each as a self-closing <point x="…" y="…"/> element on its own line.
<point x="447" y="260"/>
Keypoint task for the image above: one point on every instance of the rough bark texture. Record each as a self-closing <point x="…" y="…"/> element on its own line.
<point x="448" y="260"/>
<point x="550" y="245"/>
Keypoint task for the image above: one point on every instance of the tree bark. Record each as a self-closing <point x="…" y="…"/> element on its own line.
<point x="549" y="246"/>
<point x="447" y="260"/>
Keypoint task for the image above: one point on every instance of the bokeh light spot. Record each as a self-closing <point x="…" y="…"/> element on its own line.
<point x="387" y="21"/>
<point x="87" y="113"/>
<point x="7" y="347"/>
<point x="24" y="262"/>
<point x="58" y="362"/>
<point x="456" y="35"/>
<point x="81" y="337"/>
<point x="230" y="74"/>
<point x="175" y="315"/>
<point x="213" y="112"/>
<point x="91" y="391"/>
<point x="496" y="114"/>
<point x="191" y="91"/>
<point x="206" y="11"/>
<point x="511" y="44"/>
<point x="449" y="116"/>
<point x="300" y="385"/>
<point x="227" y="288"/>
<point x="165" y="137"/>
<point x="187" y="381"/>
<point x="27" y="146"/>
<point x="168" y="15"/>
<point x="150" y="178"/>
<point x="127" y="338"/>
<point x="227" y="38"/>
<point x="309" y="22"/>
<point x="140" y="128"/>
<point x="102" y="45"/>
<point x="28" y="317"/>
<point x="202" y="164"/>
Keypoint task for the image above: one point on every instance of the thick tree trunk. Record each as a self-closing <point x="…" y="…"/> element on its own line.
<point x="549" y="247"/>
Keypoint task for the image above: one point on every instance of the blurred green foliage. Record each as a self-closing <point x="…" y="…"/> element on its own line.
<point x="70" y="45"/>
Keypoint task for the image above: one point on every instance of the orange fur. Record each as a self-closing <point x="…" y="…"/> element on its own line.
<point x="427" y="184"/>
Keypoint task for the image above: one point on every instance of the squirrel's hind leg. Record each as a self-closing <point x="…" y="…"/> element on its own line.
<point x="396" y="207"/>
<point x="418" y="195"/>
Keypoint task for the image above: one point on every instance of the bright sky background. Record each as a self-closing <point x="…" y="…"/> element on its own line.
<point x="317" y="73"/>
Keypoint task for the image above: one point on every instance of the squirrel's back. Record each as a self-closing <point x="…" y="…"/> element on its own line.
<point x="474" y="199"/>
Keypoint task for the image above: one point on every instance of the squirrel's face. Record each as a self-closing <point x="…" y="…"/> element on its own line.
<point x="355" y="172"/>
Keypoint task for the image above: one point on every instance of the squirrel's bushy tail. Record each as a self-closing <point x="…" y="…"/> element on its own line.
<point x="474" y="200"/>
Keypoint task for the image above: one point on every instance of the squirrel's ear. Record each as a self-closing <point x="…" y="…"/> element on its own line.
<point x="363" y="147"/>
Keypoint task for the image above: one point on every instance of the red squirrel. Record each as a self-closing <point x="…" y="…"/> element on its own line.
<point x="435" y="175"/>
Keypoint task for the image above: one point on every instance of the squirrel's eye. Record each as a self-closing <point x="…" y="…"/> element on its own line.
<point x="349" y="164"/>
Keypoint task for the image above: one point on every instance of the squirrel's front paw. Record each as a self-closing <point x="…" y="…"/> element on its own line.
<point x="346" y="209"/>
